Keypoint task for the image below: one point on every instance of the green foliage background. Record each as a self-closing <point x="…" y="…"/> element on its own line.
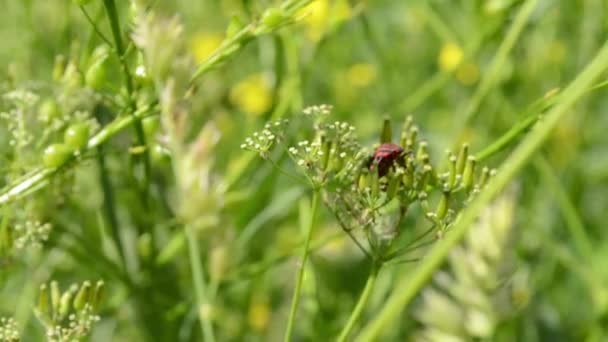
<point x="377" y="58"/>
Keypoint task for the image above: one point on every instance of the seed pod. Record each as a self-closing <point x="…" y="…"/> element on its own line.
<point x="326" y="148"/>
<point x="64" y="303"/>
<point x="393" y="184"/>
<point x="76" y="136"/>
<point x="387" y="132"/>
<point x="364" y="179"/>
<point x="55" y="298"/>
<point x="462" y="158"/>
<point x="485" y="175"/>
<point x="82" y="297"/>
<point x="442" y="207"/>
<point x="43" y="302"/>
<point x="97" y="295"/>
<point x="452" y="171"/>
<point x="56" y="155"/>
<point x="468" y="174"/>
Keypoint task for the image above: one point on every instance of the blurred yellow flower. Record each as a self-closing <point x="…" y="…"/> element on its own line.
<point x="450" y="57"/>
<point x="361" y="74"/>
<point x="259" y="313"/>
<point x="203" y="44"/>
<point x="252" y="95"/>
<point x="322" y="15"/>
<point x="467" y="73"/>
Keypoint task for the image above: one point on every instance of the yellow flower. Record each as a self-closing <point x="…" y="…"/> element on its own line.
<point x="467" y="73"/>
<point x="259" y="313"/>
<point x="361" y="74"/>
<point x="203" y="44"/>
<point x="252" y="95"/>
<point x="450" y="57"/>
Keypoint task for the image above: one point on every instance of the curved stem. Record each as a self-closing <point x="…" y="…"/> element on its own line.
<point x="367" y="290"/>
<point x="296" y="295"/>
<point x="200" y="287"/>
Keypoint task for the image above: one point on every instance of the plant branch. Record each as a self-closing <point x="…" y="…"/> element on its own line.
<point x="412" y="283"/>
<point x="367" y="290"/>
<point x="300" y="278"/>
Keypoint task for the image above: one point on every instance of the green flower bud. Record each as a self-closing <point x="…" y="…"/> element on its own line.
<point x="64" y="303"/>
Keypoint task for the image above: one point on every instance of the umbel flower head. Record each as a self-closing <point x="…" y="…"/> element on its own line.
<point x="370" y="190"/>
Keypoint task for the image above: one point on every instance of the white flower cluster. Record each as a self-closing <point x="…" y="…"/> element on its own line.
<point x="8" y="330"/>
<point x="264" y="140"/>
<point x="79" y="326"/>
<point x="318" y="110"/>
<point x="31" y="233"/>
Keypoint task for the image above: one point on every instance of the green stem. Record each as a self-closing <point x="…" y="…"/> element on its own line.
<point x="367" y="290"/>
<point x="574" y="223"/>
<point x="412" y="283"/>
<point x="108" y="204"/>
<point x="200" y="287"/>
<point x="110" y="7"/>
<point x="296" y="295"/>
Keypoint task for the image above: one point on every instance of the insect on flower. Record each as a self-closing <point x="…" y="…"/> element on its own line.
<point x="385" y="156"/>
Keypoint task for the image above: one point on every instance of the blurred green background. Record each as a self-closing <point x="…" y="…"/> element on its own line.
<point x="436" y="60"/>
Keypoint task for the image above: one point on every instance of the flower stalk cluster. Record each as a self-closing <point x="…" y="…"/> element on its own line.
<point x="69" y="315"/>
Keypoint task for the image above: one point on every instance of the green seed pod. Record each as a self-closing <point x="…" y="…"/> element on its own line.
<point x="76" y="136"/>
<point x="452" y="171"/>
<point x="326" y="148"/>
<point x="273" y="17"/>
<point x="485" y="175"/>
<point x="375" y="183"/>
<point x="58" y="67"/>
<point x="82" y="297"/>
<point x="56" y="155"/>
<point x="55" y="298"/>
<point x="387" y="132"/>
<point x="364" y="179"/>
<point x="43" y="302"/>
<point x="48" y="110"/>
<point x="468" y="174"/>
<point x="97" y="295"/>
<point x="65" y="303"/>
<point x="150" y="125"/>
<point x="96" y="74"/>
<point x="442" y="207"/>
<point x="393" y="184"/>
<point x="462" y="158"/>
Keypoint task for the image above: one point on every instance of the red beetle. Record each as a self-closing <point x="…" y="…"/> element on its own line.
<point x="385" y="156"/>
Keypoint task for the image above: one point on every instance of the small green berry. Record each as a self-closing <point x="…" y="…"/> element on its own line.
<point x="56" y="155"/>
<point x="273" y="17"/>
<point x="150" y="125"/>
<point x="76" y="136"/>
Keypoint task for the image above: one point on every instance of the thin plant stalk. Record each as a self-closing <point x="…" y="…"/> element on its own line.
<point x="298" y="288"/>
<point x="412" y="283"/>
<point x="361" y="303"/>
<point x="200" y="286"/>
<point x="110" y="7"/>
